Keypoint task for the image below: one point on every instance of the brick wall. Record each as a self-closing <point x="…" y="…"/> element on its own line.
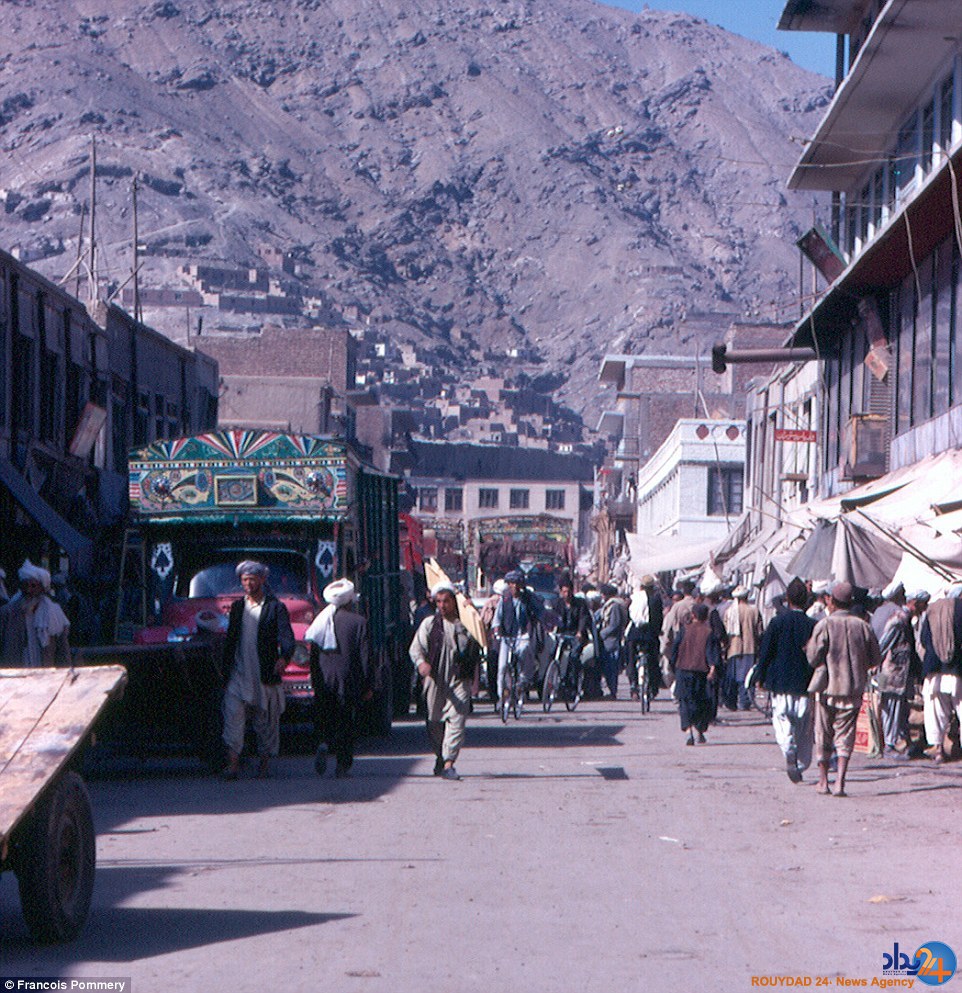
<point x="322" y="353"/>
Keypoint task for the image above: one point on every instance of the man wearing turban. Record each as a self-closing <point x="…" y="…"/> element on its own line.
<point x="33" y="628"/>
<point x="258" y="646"/>
<point x="340" y="675"/>
<point x="446" y="656"/>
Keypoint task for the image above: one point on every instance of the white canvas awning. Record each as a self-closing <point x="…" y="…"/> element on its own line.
<point x="666" y="553"/>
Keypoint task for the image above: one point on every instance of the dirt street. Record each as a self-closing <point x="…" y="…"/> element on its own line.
<point x="581" y="852"/>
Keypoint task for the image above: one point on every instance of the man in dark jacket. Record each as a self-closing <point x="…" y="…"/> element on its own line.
<point x="784" y="671"/>
<point x="257" y="648"/>
<point x="340" y="676"/>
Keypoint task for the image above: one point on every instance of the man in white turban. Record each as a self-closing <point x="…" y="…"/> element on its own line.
<point x="257" y="648"/>
<point x="340" y="676"/>
<point x="446" y="657"/>
<point x="33" y="628"/>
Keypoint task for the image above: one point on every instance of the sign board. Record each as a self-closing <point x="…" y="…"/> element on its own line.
<point x="91" y="421"/>
<point x="796" y="434"/>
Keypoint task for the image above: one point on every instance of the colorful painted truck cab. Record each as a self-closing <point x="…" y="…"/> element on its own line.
<point x="306" y="506"/>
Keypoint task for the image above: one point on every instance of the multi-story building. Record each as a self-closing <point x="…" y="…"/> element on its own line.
<point x="887" y="329"/>
<point x="692" y="488"/>
<point x="490" y="507"/>
<point x="79" y="388"/>
<point x="654" y="392"/>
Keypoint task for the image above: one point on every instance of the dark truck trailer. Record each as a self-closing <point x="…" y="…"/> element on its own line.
<point x="305" y="505"/>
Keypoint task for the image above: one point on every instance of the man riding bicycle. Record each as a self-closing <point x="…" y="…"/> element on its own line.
<point x="646" y="613"/>
<point x="573" y="618"/>
<point x="514" y="621"/>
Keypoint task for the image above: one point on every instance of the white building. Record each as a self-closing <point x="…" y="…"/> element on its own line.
<point x="693" y="486"/>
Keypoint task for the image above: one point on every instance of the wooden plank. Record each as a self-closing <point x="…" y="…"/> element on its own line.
<point x="43" y="720"/>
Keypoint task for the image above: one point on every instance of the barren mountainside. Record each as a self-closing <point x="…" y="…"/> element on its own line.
<point x="562" y="175"/>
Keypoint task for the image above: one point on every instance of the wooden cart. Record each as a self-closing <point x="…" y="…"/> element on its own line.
<point x="46" y="827"/>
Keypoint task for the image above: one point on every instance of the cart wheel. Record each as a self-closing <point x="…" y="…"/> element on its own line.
<point x="56" y="855"/>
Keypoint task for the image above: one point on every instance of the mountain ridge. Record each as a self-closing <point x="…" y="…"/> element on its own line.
<point x="571" y="178"/>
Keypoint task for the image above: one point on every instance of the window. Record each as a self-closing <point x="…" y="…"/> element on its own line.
<point x="428" y="499"/>
<point x="906" y="154"/>
<point x="454" y="498"/>
<point x="946" y="94"/>
<point x="519" y="500"/>
<point x="487" y="499"/>
<point x="928" y="134"/>
<point x="554" y="499"/>
<point x="725" y="486"/>
<point x="142" y="421"/>
<point x="922" y="360"/>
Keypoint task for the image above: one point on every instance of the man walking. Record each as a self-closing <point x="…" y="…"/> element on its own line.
<point x="784" y="671"/>
<point x="901" y="668"/>
<point x="743" y="627"/>
<point x="847" y="646"/>
<point x="258" y="646"/>
<point x="696" y="658"/>
<point x="941" y="638"/>
<point x="33" y="628"/>
<point x="340" y="676"/>
<point x="614" y="620"/>
<point x="446" y="657"/>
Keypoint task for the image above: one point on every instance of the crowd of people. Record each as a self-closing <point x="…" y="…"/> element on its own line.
<point x="823" y="648"/>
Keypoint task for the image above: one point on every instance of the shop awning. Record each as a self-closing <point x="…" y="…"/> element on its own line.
<point x="666" y="553"/>
<point x="78" y="548"/>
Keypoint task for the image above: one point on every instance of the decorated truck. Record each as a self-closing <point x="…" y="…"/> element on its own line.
<point x="542" y="546"/>
<point x="306" y="506"/>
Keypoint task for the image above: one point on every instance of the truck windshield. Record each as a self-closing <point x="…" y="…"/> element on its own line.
<point x="216" y="576"/>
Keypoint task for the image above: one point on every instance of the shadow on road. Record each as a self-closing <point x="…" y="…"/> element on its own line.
<point x="542" y="731"/>
<point x="127" y="934"/>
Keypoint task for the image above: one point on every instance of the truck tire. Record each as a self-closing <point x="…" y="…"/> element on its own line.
<point x="55" y="861"/>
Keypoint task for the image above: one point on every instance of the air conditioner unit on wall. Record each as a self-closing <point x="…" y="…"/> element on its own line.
<point x="866" y="448"/>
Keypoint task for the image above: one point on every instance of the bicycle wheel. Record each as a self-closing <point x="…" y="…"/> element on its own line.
<point x="576" y="686"/>
<point x="507" y="693"/>
<point x="552" y="679"/>
<point x="517" y="690"/>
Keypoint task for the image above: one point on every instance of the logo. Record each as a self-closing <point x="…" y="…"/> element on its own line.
<point x="934" y="963"/>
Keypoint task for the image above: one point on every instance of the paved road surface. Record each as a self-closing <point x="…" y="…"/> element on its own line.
<point x="581" y="852"/>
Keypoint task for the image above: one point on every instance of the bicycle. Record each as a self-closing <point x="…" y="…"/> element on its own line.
<point x="564" y="676"/>
<point x="512" y="693"/>
<point x="644" y="686"/>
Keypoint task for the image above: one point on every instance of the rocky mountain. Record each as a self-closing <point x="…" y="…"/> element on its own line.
<point x="561" y="177"/>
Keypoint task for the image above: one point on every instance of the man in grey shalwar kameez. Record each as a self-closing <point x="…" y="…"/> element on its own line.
<point x="445" y="655"/>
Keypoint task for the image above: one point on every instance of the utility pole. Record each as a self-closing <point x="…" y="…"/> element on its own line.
<point x="78" y="265"/>
<point x="92" y="268"/>
<point x="138" y="313"/>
